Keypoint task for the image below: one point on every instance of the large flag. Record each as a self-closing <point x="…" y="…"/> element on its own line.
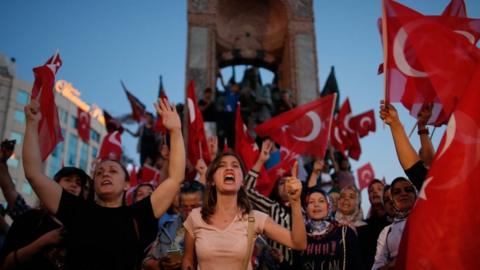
<point x="281" y="169"/>
<point x="248" y="150"/>
<point x="364" y="123"/>
<point x="148" y="174"/>
<point x="304" y="129"/>
<point x="331" y="87"/>
<point x="433" y="238"/>
<point x="410" y="38"/>
<point x="365" y="175"/>
<point x="138" y="108"/>
<point x="161" y="95"/>
<point x="83" y="124"/>
<point x="197" y="141"/>
<point x="49" y="130"/>
<point x="111" y="147"/>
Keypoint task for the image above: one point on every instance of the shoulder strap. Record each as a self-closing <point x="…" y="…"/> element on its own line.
<point x="250" y="236"/>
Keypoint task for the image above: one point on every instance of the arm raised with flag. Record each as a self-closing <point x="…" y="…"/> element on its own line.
<point x="163" y="195"/>
<point x="49" y="192"/>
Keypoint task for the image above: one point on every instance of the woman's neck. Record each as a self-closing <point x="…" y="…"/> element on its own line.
<point x="110" y="203"/>
<point x="226" y="204"/>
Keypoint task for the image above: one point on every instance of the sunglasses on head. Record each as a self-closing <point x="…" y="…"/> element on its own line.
<point x="191" y="186"/>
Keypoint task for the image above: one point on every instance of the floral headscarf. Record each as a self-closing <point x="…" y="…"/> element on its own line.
<point x="319" y="227"/>
<point x="356" y="218"/>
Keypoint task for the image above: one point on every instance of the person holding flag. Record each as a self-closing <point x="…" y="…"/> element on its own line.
<point x="105" y="234"/>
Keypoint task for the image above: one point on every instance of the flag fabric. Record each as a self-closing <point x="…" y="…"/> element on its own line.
<point x="147" y="174"/>
<point x="365" y="175"/>
<point x="349" y="136"/>
<point x="133" y="176"/>
<point x="161" y="95"/>
<point x="49" y="130"/>
<point x="138" y="108"/>
<point x="197" y="142"/>
<point x="364" y="123"/>
<point x="449" y="242"/>
<point x="331" y="87"/>
<point x="411" y="39"/>
<point x="304" y="129"/>
<point x="112" y="124"/>
<point x="83" y="124"/>
<point x="111" y="147"/>
<point x="248" y="150"/>
<point x="281" y="169"/>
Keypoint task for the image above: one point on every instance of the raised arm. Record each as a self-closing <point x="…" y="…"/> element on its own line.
<point x="427" y="151"/>
<point x="405" y="152"/>
<point x="163" y="195"/>
<point x="297" y="237"/>
<point x="316" y="171"/>
<point x="6" y="182"/>
<point x="48" y="191"/>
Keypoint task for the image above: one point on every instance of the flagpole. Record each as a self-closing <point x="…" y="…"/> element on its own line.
<point x="413" y="129"/>
<point x="385" y="56"/>
<point x="433" y="131"/>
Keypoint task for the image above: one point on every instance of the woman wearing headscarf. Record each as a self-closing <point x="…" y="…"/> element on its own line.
<point x="404" y="196"/>
<point x="330" y="245"/>
<point x="349" y="211"/>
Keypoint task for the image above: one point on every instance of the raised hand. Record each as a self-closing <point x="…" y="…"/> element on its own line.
<point x="294" y="189"/>
<point x="212" y="143"/>
<point x="32" y="112"/>
<point x="388" y="114"/>
<point x="318" y="165"/>
<point x="168" y="112"/>
<point x="201" y="167"/>
<point x="425" y="114"/>
<point x="265" y="151"/>
<point x="6" y="150"/>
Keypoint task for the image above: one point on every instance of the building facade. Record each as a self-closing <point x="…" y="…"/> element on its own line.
<point x="14" y="95"/>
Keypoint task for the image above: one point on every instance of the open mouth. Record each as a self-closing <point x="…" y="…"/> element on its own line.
<point x="229" y="178"/>
<point x="106" y="183"/>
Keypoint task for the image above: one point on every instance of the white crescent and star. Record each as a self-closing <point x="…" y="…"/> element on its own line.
<point x="336" y="133"/>
<point x="85" y="116"/>
<point x="365" y="122"/>
<point x="114" y="140"/>
<point x="316" y="128"/>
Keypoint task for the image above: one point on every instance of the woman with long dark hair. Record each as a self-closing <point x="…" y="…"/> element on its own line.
<point x="218" y="234"/>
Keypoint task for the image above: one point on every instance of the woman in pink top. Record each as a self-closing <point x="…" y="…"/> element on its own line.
<point x="217" y="232"/>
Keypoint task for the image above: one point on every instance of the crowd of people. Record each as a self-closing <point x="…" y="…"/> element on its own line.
<point x="218" y="218"/>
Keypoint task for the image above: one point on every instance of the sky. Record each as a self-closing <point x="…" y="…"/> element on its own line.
<point x="103" y="42"/>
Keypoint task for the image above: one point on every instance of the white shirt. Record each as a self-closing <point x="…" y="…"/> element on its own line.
<point x="388" y="243"/>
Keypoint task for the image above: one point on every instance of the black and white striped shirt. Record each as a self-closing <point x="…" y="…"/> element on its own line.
<point x="278" y="212"/>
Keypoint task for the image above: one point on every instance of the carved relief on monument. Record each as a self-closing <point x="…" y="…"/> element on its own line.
<point x="250" y="30"/>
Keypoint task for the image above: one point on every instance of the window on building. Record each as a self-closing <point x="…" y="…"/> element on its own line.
<point x="17" y="137"/>
<point x="72" y="150"/>
<point x="22" y="97"/>
<point x="73" y="122"/>
<point x="83" y="156"/>
<point x="19" y="116"/>
<point x="94" y="136"/>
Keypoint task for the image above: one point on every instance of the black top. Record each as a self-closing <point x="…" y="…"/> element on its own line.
<point x="417" y="174"/>
<point x="106" y="238"/>
<point x="327" y="251"/>
<point x="368" y="236"/>
<point x="27" y="228"/>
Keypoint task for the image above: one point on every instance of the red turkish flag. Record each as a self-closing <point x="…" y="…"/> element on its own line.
<point x="197" y="142"/>
<point x="111" y="147"/>
<point x="433" y="238"/>
<point x="364" y="123"/>
<point x="112" y="123"/>
<point x="83" y="124"/>
<point x="49" y="130"/>
<point x="304" y="129"/>
<point x="248" y="150"/>
<point x="138" y="108"/>
<point x="412" y="39"/>
<point x="348" y="135"/>
<point x="158" y="124"/>
<point x="281" y="169"/>
<point x="365" y="175"/>
<point x="133" y="176"/>
<point x="147" y="174"/>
